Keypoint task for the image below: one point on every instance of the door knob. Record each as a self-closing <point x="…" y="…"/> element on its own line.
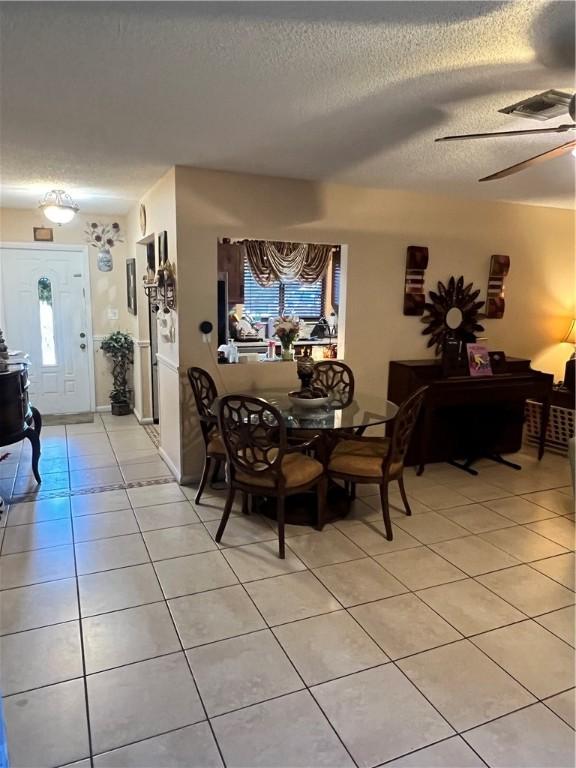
<point x="82" y="346"/>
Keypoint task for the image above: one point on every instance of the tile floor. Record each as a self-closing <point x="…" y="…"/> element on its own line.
<point x="129" y="638"/>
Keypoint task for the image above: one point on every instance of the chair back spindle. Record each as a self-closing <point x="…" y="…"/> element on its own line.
<point x="204" y="392"/>
<point x="254" y="435"/>
<point x="404" y="424"/>
<point x="337" y="379"/>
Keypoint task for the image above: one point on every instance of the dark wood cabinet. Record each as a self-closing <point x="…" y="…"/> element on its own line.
<point x="465" y="417"/>
<point x="18" y="419"/>
<point x="14" y="403"/>
<point x="231" y="263"/>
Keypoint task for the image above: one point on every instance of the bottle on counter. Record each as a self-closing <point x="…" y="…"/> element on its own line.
<point x="270" y="328"/>
<point x="233" y="353"/>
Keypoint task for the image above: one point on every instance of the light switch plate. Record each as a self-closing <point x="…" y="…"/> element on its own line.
<point x="112" y="313"/>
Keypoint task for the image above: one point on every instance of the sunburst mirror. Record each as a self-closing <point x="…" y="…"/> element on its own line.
<point x="452" y="311"/>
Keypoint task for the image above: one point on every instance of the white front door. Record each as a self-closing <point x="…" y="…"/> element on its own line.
<point x="43" y="291"/>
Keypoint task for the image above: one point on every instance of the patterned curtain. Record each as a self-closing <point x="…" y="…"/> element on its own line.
<point x="273" y="262"/>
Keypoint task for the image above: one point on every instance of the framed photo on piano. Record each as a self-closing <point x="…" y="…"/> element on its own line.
<point x="478" y="360"/>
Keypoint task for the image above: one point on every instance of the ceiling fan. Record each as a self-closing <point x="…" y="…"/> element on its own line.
<point x="543" y="106"/>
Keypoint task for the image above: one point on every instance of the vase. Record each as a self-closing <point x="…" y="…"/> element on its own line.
<point x="104" y="260"/>
<point x="288" y="353"/>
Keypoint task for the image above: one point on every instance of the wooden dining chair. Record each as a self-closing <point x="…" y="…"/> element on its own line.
<point x="205" y="392"/>
<point x="260" y="461"/>
<point x="379" y="460"/>
<point x="337" y="379"/>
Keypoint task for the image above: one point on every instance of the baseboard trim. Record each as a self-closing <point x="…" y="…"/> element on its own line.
<point x="171" y="466"/>
<point x="103" y="408"/>
<point x="142" y="419"/>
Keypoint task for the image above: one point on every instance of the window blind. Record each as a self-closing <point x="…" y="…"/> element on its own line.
<point x="260" y="301"/>
<point x="302" y="299"/>
<point x="336" y="283"/>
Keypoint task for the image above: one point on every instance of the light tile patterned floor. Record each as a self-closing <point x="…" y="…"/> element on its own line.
<point x="129" y="638"/>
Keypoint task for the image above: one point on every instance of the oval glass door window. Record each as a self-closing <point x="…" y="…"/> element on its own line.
<point x="48" y="342"/>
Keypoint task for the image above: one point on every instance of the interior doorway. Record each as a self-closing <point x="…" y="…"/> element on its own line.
<point x="45" y="313"/>
<point x="153" y="330"/>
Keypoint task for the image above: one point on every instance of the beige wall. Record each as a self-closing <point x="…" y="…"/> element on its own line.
<point x="377" y="226"/>
<point x="108" y="289"/>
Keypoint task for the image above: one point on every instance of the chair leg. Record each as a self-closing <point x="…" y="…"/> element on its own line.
<point x="321" y="492"/>
<point x="245" y="499"/>
<point x="280" y="519"/>
<point x="352" y="491"/>
<point x="404" y="496"/>
<point x="226" y="513"/>
<point x="215" y="471"/>
<point x="386" y="511"/>
<point x="203" y="479"/>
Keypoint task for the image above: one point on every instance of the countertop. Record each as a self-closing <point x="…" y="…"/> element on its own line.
<point x="259" y="344"/>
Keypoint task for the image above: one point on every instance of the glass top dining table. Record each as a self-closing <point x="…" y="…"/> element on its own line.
<point x="364" y="411"/>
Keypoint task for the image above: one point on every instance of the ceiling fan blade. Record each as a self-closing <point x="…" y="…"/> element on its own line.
<point x="556" y="129"/>
<point x="549" y="155"/>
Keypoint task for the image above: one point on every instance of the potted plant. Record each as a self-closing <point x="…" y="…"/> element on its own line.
<point x="119" y="347"/>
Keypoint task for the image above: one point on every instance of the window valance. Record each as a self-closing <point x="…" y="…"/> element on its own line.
<point x="273" y="262"/>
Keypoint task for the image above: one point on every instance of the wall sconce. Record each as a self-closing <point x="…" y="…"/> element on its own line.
<point x="160" y="288"/>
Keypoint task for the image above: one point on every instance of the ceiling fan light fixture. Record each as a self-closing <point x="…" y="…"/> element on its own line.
<point x="58" y="206"/>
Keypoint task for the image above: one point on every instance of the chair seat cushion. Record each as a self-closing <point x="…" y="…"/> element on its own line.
<point x="358" y="466"/>
<point x="363" y="458"/>
<point x="216" y="445"/>
<point x="297" y="468"/>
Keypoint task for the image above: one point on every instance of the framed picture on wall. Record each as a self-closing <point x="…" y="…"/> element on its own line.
<point x="162" y="247"/>
<point x="131" y="286"/>
<point x="43" y="234"/>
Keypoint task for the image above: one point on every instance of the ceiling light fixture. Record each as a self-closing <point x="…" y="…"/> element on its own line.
<point x="58" y="206"/>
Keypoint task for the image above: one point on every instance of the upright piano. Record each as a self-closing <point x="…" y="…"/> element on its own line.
<point x="466" y="417"/>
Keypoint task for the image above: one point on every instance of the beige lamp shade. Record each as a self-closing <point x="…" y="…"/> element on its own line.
<point x="570" y="335"/>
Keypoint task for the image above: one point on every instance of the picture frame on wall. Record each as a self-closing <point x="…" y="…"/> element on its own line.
<point x="131" y="286"/>
<point x="43" y="234"/>
<point x="162" y="247"/>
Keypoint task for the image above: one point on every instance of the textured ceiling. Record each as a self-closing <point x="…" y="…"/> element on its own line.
<point x="101" y="98"/>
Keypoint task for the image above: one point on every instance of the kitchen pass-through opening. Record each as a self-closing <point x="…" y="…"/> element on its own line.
<point x="273" y="289"/>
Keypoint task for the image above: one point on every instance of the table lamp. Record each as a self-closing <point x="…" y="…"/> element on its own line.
<point x="570" y="369"/>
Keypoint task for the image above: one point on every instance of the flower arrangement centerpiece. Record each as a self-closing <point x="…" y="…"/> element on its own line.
<point x="287" y="329"/>
<point x="103" y="237"/>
